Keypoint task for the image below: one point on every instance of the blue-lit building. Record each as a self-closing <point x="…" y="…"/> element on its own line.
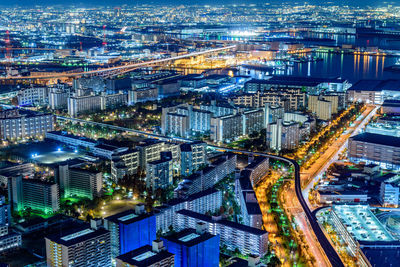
<point x="194" y="248"/>
<point x="147" y="256"/>
<point x="130" y="230"/>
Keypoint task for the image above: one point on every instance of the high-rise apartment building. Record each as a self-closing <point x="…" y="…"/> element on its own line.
<point x="159" y="173"/>
<point x="193" y="155"/>
<point x="33" y="193"/>
<point x="193" y="247"/>
<point x="15" y="124"/>
<point x="76" y="182"/>
<point x="247" y="239"/>
<point x="155" y="255"/>
<point x="283" y="135"/>
<point x="85" y="103"/>
<point x="80" y="246"/>
<point x="130" y="230"/>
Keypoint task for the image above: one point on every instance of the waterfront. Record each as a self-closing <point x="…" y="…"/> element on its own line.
<point x="347" y="66"/>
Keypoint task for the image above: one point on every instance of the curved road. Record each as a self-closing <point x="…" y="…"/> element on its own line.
<point x="330" y="252"/>
<point x="324" y="242"/>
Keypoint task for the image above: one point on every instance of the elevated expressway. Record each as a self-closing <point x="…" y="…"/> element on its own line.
<point x="112" y="71"/>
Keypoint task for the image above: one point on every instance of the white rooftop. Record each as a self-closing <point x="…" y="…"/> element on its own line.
<point x="144" y="256"/>
<point x="127" y="217"/>
<point x="77" y="234"/>
<point x="188" y="237"/>
<point x="361" y="223"/>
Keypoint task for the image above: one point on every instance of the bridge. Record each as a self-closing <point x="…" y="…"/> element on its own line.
<point x="112" y="71"/>
<point x="330" y="252"/>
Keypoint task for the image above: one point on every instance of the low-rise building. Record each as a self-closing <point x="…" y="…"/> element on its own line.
<point x="85" y="103"/>
<point x="374" y="91"/>
<point x="149" y="150"/>
<point x="207" y="177"/>
<point x="124" y="163"/>
<point x="389" y="195"/>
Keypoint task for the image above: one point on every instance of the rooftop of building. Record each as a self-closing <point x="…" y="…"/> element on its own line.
<point x="376" y="85"/>
<point x="149" y="142"/>
<point x="217" y="76"/>
<point x="159" y="161"/>
<point x="67" y="135"/>
<point x="77" y="235"/>
<point x="253" y="208"/>
<point x="144" y="256"/>
<point x="382" y="253"/>
<point x="128" y="217"/>
<point x="346" y="192"/>
<point x="210" y="219"/>
<point x="108" y="147"/>
<point x="188" y="237"/>
<point x="244" y="180"/>
<point x="81" y="170"/>
<point x="237" y="262"/>
<point x="22" y="113"/>
<point x="379" y="139"/>
<point x="361" y="223"/>
<point x="192" y="197"/>
<point x="257" y="161"/>
<point x="38" y="181"/>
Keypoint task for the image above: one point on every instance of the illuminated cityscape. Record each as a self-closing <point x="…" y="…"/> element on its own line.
<point x="199" y="134"/>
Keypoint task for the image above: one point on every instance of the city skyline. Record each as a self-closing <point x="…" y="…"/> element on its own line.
<point x="187" y="2"/>
<point x="207" y="134"/>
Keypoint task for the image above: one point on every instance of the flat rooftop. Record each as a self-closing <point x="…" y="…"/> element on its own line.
<point x="76" y="235"/>
<point x="189" y="237"/>
<point x="144" y="256"/>
<point x="361" y="223"/>
<point x="128" y="217"/>
<point x="376" y="85"/>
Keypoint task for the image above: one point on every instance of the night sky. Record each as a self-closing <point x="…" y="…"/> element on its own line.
<point x="120" y="2"/>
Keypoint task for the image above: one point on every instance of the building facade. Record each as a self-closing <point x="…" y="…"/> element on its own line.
<point x="79" y="247"/>
<point x="130" y="230"/>
<point x="33" y="193"/>
<point x="193" y="247"/>
<point x="247" y="239"/>
<point x="16" y="124"/>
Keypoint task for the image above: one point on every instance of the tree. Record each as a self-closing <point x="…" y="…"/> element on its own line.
<point x="27" y="212"/>
<point x="149" y="201"/>
<point x="221" y="210"/>
<point x="274" y="261"/>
